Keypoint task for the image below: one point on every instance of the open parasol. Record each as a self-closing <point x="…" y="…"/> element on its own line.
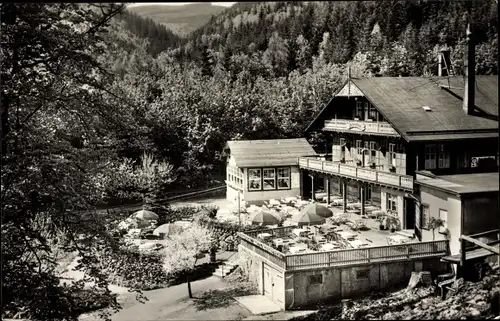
<point x="264" y="218"/>
<point x="145" y="215"/>
<point x="305" y="218"/>
<point x="317" y="209"/>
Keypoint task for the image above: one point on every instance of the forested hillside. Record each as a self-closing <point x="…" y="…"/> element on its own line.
<point x="158" y="36"/>
<point x="181" y="19"/>
<point x="402" y="33"/>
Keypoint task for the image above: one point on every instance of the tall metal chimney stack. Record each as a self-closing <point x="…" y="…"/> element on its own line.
<point x="470" y="72"/>
<point x="444" y="62"/>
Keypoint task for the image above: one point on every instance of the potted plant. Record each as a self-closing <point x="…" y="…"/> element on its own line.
<point x="393" y="223"/>
<point x="392" y="168"/>
<point x="434" y="223"/>
<point x="342" y="160"/>
<point x="358" y="162"/>
<point x="381" y="221"/>
<point x="372" y="165"/>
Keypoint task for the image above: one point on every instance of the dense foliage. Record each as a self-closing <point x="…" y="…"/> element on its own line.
<point x="263" y="70"/>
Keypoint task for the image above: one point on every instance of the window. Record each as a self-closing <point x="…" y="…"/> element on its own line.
<point x="392" y="202"/>
<point x="444" y="157"/>
<point x="284" y="178"/>
<point x="316" y="279"/>
<point x="269" y="180"/>
<point x="425" y="215"/>
<point x="368" y="192"/>
<point x="342" y="143"/>
<point x="430" y="156"/>
<point x="443" y="214"/>
<point x="362" y="274"/>
<point x="463" y="159"/>
<point x="359" y="148"/>
<point x="373" y="113"/>
<point x="392" y="154"/>
<point x="373" y="151"/>
<point x="254" y="179"/>
<point x="234" y="175"/>
<point x="367" y="109"/>
<point x="359" y="110"/>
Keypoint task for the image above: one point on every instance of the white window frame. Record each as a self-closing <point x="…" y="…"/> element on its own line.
<point x="358" y="113"/>
<point x="366" y="110"/>
<point x="443" y="214"/>
<point x="392" y="154"/>
<point x="392" y="203"/>
<point x="430" y="156"/>
<point x="284" y="178"/>
<point x="372" y="112"/>
<point x="342" y="147"/>
<point x="373" y="151"/>
<point x="425" y="214"/>
<point x="269" y="178"/>
<point x="359" y="148"/>
<point x="255" y="179"/>
<point x="443" y="157"/>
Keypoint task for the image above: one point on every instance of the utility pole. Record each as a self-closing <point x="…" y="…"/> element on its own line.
<point x="239" y="214"/>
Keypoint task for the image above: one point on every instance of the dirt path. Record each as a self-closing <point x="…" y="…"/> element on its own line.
<point x="173" y="303"/>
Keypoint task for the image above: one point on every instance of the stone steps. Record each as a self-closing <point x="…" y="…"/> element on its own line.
<point x="225" y="269"/>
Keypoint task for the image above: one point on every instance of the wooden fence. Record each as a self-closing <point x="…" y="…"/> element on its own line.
<point x="341" y="257"/>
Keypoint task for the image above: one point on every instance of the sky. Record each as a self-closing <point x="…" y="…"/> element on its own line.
<point x="224" y="4"/>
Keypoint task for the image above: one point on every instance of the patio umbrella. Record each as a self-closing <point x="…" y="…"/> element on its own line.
<point x="145" y="215"/>
<point x="306" y="218"/>
<point x="167" y="229"/>
<point x="264" y="218"/>
<point x="317" y="209"/>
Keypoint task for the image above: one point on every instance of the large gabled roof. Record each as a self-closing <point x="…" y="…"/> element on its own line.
<point x="401" y="101"/>
<point x="271" y="152"/>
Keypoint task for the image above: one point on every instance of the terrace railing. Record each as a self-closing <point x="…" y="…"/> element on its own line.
<point x="262" y="249"/>
<point x="339" y="257"/>
<point x="356" y="126"/>
<point x="367" y="255"/>
<point x="385" y="178"/>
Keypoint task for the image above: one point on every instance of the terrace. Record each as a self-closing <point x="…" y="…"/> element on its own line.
<point x="294" y="249"/>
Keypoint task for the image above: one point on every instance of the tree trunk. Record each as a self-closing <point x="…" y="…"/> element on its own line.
<point x="189" y="287"/>
<point x="213" y="255"/>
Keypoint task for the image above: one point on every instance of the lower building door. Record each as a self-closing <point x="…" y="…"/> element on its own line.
<point x="274" y="287"/>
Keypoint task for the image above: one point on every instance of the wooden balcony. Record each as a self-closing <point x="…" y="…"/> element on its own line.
<point x="360" y="126"/>
<point x="404" y="182"/>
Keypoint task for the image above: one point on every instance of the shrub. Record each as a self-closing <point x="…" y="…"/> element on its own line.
<point x="134" y="269"/>
<point x="87" y="300"/>
<point x="210" y="211"/>
<point x="168" y="214"/>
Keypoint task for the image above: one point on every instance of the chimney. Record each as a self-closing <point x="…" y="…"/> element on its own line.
<point x="444" y="62"/>
<point x="470" y="77"/>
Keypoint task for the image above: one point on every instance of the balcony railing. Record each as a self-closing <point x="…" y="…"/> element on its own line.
<point x="372" y="127"/>
<point x="391" y="179"/>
